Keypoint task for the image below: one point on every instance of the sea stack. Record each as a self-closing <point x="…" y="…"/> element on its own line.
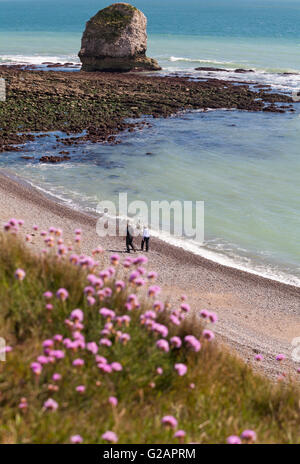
<point x="115" y="40"/>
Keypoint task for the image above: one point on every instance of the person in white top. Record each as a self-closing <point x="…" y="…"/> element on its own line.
<point x="145" y="239"/>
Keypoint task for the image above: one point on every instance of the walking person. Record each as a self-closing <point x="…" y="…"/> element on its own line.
<point x="129" y="238"/>
<point x="145" y="239"/>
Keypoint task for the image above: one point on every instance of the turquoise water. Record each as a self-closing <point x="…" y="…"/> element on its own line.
<point x="244" y="166"/>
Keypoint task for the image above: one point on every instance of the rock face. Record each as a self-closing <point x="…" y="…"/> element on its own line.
<point x="115" y="39"/>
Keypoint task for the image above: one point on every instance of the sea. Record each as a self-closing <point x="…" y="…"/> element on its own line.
<point x="244" y="166"/>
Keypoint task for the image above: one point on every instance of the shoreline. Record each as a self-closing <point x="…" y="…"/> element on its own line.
<point x="256" y="314"/>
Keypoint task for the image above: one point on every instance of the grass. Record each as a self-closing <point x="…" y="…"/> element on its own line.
<point x="228" y="397"/>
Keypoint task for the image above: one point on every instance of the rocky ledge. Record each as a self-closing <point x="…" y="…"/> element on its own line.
<point x="94" y="107"/>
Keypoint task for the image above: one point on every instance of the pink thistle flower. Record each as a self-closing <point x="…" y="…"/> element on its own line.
<point x="104" y="275"/>
<point x="120" y="285"/>
<point x="233" y="440"/>
<point x="91" y="300"/>
<point x="113" y="401"/>
<point x="57" y="354"/>
<point x="280" y="357"/>
<point x="134" y="275"/>
<point x="159" y="370"/>
<point x="124" y="338"/>
<point x="20" y="274"/>
<point x="77" y="231"/>
<point x="36" y="368"/>
<point x="128" y="307"/>
<point x="183" y="297"/>
<point x="163" y="345"/>
<point x="107" y="313"/>
<point x="92" y="347"/>
<point x="140" y="260"/>
<point x="208" y="334"/>
<point x="249" y="436"/>
<point x="89" y="290"/>
<point x="179" y="434"/>
<point x="48" y="343"/>
<point x="107" y="292"/>
<point x="105" y="367"/>
<point x="116" y="366"/>
<point x="176" y="342"/>
<point x="109" y="436"/>
<point x="192" y="342"/>
<point x="160" y="329"/>
<point x="204" y="313"/>
<point x="100" y="359"/>
<point x="49" y="306"/>
<point x="48" y="295"/>
<point x="152" y="275"/>
<point x="35" y="227"/>
<point x="154" y="290"/>
<point x="158" y="306"/>
<point x="76" y="439"/>
<point x="125" y="319"/>
<point x="77" y="315"/>
<point x="105" y="342"/>
<point x="23" y="404"/>
<point x="58" y="338"/>
<point x="56" y="377"/>
<point x="258" y="357"/>
<point x="213" y="317"/>
<point x="97" y="251"/>
<point x="115" y="259"/>
<point x="185" y="307"/>
<point x="74" y="259"/>
<point x="192" y="386"/>
<point x="78" y="362"/>
<point x="13" y="222"/>
<point x="80" y="389"/>
<point x="42" y="360"/>
<point x="174" y="319"/>
<point x="51" y="405"/>
<point x="127" y="263"/>
<point x="62" y="294"/>
<point x="169" y="421"/>
<point x="180" y="368"/>
<point x="141" y="270"/>
<point x="139" y="282"/>
<point x="148" y="315"/>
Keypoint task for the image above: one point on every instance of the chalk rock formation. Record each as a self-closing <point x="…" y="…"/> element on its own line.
<point x="115" y="39"/>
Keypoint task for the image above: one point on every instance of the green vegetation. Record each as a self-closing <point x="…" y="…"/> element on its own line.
<point x="113" y="20"/>
<point x="218" y="396"/>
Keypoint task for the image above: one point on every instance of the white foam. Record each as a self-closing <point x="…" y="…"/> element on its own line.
<point x="37" y="59"/>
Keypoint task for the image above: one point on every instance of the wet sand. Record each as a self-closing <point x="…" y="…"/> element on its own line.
<point x="256" y="315"/>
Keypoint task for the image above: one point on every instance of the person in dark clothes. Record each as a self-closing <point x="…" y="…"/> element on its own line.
<point x="129" y="239"/>
<point x="145" y="239"/>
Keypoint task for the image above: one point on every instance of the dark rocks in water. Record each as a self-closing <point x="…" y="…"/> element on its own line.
<point x="54" y="159"/>
<point x="115" y="39"/>
<point x="240" y="70"/>
<point x="204" y="68"/>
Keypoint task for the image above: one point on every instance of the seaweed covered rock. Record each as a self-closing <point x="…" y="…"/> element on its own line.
<point x="115" y="39"/>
